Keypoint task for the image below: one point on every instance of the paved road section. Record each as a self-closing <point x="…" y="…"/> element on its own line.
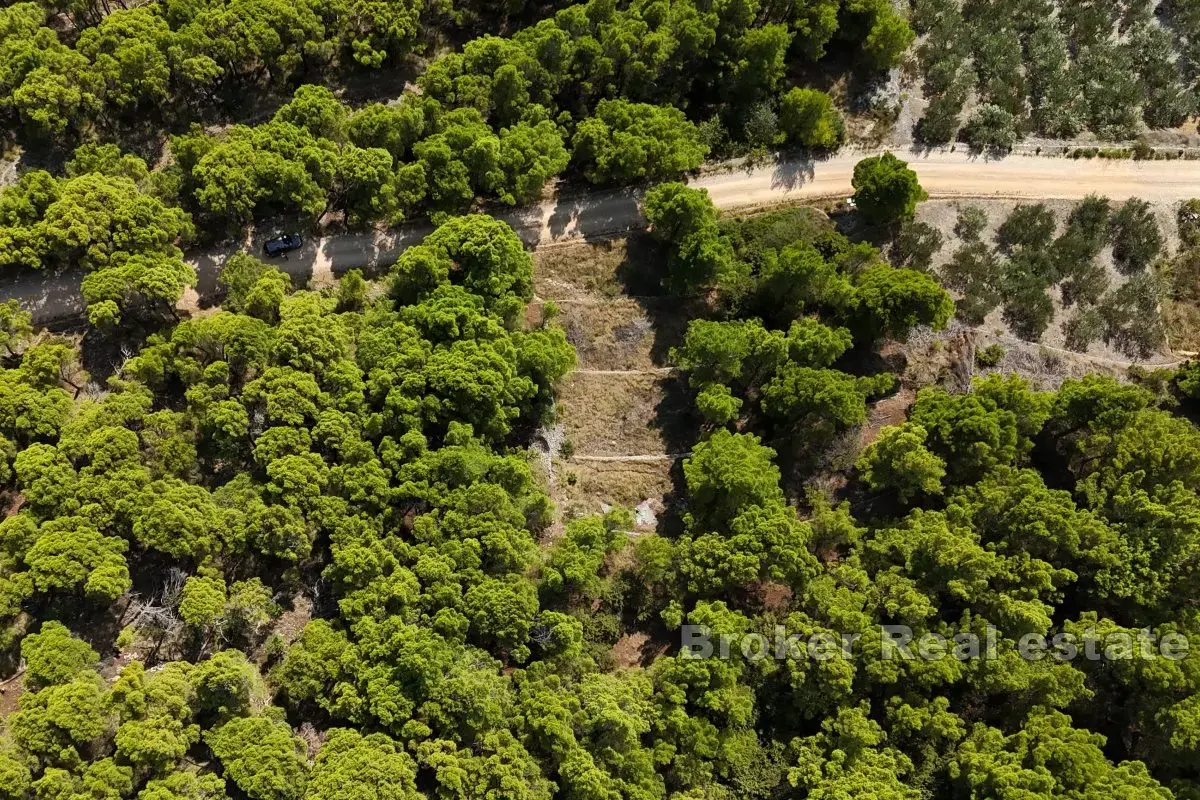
<point x="570" y="217"/>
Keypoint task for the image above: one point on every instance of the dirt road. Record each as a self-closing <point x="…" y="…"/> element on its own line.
<point x="597" y="214"/>
<point x="946" y="175"/>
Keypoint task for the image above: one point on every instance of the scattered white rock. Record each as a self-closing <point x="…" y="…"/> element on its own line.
<point x="644" y="515"/>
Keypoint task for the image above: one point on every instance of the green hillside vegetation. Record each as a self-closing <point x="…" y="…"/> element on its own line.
<point x="370" y="454"/>
<point x="110" y="100"/>
<point x="302" y="546"/>
<point x="120" y="68"/>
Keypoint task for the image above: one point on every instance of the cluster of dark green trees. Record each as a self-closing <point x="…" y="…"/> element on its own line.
<point x="296" y="547"/>
<point x="288" y="432"/>
<point x="75" y="68"/>
<point x="108" y="216"/>
<point x="1029" y="259"/>
<point x="366" y="447"/>
<point x="789" y="306"/>
<point x="722" y="63"/>
<point x="376" y="164"/>
<point x="1053" y="69"/>
<point x="110" y="70"/>
<point x="615" y="94"/>
<point x="112" y="65"/>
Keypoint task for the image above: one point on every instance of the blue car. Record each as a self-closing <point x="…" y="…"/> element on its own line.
<point x="282" y="244"/>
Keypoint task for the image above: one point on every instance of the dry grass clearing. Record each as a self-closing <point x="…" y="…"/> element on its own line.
<point x="581" y="269"/>
<point x="612" y="415"/>
<point x="626" y="334"/>
<point x="617" y="318"/>
<point x="610" y="303"/>
<point x="1183" y="326"/>
<point x="586" y="487"/>
<point x="616" y="334"/>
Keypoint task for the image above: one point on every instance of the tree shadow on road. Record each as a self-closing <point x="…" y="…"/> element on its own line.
<point x="596" y="215"/>
<point x="319" y="258"/>
<point x="51" y="296"/>
<point x="792" y="173"/>
<point x="373" y="252"/>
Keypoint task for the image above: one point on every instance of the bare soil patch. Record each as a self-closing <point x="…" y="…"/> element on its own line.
<point x="10" y="694"/>
<point x="14" y="505"/>
<point x="291" y="622"/>
<point x="888" y="411"/>
<point x="637" y="649"/>
<point x="776" y="597"/>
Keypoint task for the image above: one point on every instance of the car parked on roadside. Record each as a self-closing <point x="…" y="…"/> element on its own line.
<point x="280" y="245"/>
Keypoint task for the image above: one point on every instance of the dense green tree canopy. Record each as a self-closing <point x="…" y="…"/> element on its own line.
<point x="101" y="219"/>
<point x="809" y="118"/>
<point x="630" y="141"/>
<point x="329" y="542"/>
<point x="885" y="189"/>
<point x="370" y="442"/>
